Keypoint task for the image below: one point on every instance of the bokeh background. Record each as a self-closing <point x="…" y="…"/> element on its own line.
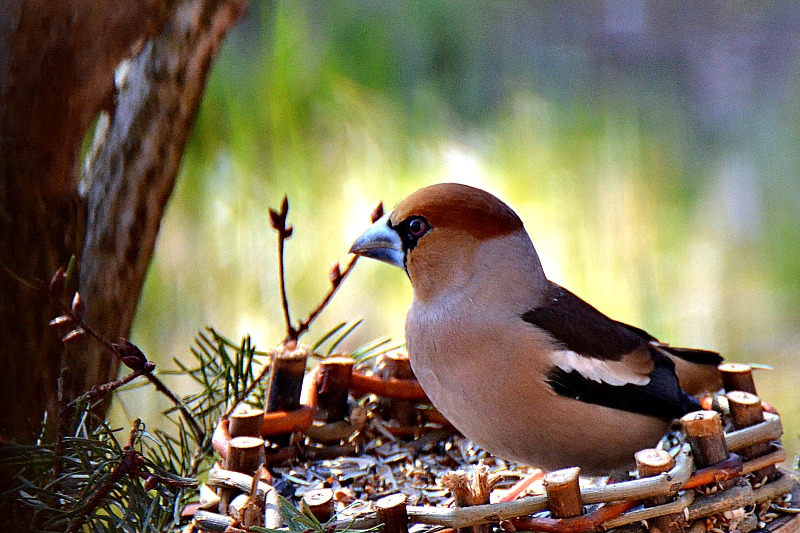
<point x="651" y="149"/>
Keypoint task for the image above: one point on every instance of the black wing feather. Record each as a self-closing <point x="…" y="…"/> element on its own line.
<point x="693" y="355"/>
<point x="662" y="397"/>
<point x="580" y="327"/>
<point x="586" y="331"/>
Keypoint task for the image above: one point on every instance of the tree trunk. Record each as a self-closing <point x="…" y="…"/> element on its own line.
<point x="58" y="60"/>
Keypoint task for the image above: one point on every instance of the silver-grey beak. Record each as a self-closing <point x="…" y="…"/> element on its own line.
<point x="380" y="242"/>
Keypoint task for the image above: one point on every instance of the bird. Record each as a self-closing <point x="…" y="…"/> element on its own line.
<point x="518" y="364"/>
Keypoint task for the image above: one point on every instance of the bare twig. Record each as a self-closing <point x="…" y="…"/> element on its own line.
<point x="128" y="354"/>
<point x="278" y="221"/>
<point x="336" y="277"/>
<point x="102" y="390"/>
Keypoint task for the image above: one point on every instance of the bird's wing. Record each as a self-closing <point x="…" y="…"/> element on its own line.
<point x="599" y="360"/>
<point x="692" y="355"/>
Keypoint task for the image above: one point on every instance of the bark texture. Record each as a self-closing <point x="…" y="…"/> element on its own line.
<point x="58" y="59"/>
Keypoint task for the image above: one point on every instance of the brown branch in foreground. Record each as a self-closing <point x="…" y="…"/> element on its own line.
<point x="588" y="522"/>
<point x="103" y="390"/>
<point x="278" y="222"/>
<point x="336" y="277"/>
<point x="125" y="351"/>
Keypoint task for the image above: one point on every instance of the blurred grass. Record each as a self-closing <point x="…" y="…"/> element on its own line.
<point x="630" y="203"/>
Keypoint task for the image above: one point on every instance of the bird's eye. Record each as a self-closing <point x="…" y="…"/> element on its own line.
<point x="417" y="227"/>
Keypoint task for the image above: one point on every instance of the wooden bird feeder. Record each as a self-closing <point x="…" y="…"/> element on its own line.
<point x="725" y="476"/>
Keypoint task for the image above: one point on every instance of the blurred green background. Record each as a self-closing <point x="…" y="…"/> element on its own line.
<point x="650" y="148"/>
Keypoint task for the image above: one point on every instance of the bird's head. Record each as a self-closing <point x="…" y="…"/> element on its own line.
<point x="439" y="235"/>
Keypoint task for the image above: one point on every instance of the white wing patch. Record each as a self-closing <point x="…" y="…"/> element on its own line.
<point x="600" y="370"/>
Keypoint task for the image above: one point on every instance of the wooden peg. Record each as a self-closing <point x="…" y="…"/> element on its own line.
<point x="392" y="513"/>
<point x="332" y="382"/>
<point x="397" y="366"/>
<point x="746" y="411"/>
<point x="564" y="493"/>
<point x="286" y="383"/>
<point x="245" y="455"/>
<point x="246" y="422"/>
<point x="470" y="490"/>
<point x="704" y="433"/>
<point x="286" y="380"/>
<point x="736" y="376"/>
<point x="320" y="503"/>
<point x="652" y="462"/>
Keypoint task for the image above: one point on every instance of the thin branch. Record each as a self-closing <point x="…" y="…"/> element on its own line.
<point x="141" y="364"/>
<point x="102" y="390"/>
<point x="278" y="221"/>
<point x="336" y="277"/>
<point x="63" y="408"/>
<point x="19" y="279"/>
<point x="336" y="281"/>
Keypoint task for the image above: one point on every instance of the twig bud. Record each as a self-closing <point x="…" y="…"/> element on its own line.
<point x="76" y="336"/>
<point x="377" y="212"/>
<point x="62" y="320"/>
<point x="57" y="282"/>
<point x="285" y="207"/>
<point x="150" y="483"/>
<point x="287" y="232"/>
<point x="78" y="307"/>
<point x="275" y="220"/>
<point x="132" y="357"/>
<point x="335" y="274"/>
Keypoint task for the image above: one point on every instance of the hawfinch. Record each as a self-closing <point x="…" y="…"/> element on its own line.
<point x="518" y="364"/>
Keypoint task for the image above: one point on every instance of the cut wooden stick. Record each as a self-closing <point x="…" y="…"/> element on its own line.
<point x="392" y="513"/>
<point x="245" y="455"/>
<point x="564" y="493"/>
<point x="246" y="422"/>
<point x="652" y="462"/>
<point x="736" y="376"/>
<point x="470" y="490"/>
<point x="396" y="366"/>
<point x="704" y="434"/>
<point x="286" y="383"/>
<point x="746" y="411"/>
<point x="332" y="382"/>
<point x="320" y="503"/>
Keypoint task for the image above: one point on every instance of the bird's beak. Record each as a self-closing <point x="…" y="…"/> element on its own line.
<point x="381" y="242"/>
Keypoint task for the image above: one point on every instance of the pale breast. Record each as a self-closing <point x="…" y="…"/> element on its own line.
<point x="487" y="378"/>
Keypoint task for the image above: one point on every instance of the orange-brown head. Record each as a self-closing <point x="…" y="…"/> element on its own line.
<point x="435" y="234"/>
